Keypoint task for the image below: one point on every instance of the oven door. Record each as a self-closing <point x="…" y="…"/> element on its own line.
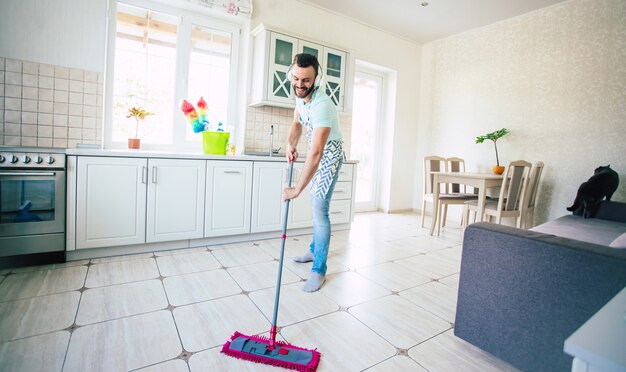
<point x="32" y="202"/>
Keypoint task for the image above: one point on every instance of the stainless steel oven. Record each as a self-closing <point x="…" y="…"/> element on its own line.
<point x="32" y="201"/>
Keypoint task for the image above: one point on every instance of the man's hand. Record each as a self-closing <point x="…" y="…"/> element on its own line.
<point x="290" y="193"/>
<point x="292" y="153"/>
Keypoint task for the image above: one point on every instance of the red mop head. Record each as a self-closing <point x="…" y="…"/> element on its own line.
<point x="259" y="349"/>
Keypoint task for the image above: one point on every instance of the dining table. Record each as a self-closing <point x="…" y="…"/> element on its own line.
<point x="477" y="180"/>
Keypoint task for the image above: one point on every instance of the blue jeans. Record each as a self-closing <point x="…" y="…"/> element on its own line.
<point x="321" y="229"/>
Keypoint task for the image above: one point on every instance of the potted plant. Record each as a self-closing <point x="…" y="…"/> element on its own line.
<point x="494" y="136"/>
<point x="139" y="114"/>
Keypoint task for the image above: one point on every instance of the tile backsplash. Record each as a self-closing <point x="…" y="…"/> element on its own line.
<point x="259" y="120"/>
<point x="43" y="105"/>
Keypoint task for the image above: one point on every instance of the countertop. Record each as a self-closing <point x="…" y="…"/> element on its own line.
<point x="176" y="155"/>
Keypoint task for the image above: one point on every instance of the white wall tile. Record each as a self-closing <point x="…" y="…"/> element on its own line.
<point x="12" y="129"/>
<point x="61" y="84"/>
<point x="60" y="108"/>
<point x="76" y="98"/>
<point x="28" y="141"/>
<point x="76" y="86"/>
<point x="29" y="80"/>
<point x="46" y="82"/>
<point x="61" y="72"/>
<point x="46" y="94"/>
<point x="13" y="91"/>
<point x="30" y="92"/>
<point x="44" y="119"/>
<point x="46" y="106"/>
<point x="30" y="68"/>
<point x="29" y="130"/>
<point x="29" y="118"/>
<point x="77" y="74"/>
<point x="14" y="78"/>
<point x="75" y="121"/>
<point x="12" y="104"/>
<point x="59" y="132"/>
<point x="13" y="65"/>
<point x="46" y="70"/>
<point x="29" y="105"/>
<point x="44" y="142"/>
<point x="44" y="131"/>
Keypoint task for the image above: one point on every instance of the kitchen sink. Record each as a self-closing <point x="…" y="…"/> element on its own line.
<point x="265" y="153"/>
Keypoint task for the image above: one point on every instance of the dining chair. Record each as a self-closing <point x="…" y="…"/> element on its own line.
<point x="528" y="211"/>
<point x="431" y="164"/>
<point x="512" y="193"/>
<point x="455" y="193"/>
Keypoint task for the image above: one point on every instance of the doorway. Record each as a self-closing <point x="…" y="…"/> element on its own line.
<point x="366" y="136"/>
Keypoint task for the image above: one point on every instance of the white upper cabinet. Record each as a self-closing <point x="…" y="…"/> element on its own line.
<point x="273" y="53"/>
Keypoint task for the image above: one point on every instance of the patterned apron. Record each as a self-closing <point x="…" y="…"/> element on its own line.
<point x="331" y="161"/>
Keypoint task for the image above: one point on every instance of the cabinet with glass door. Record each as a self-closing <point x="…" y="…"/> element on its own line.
<point x="273" y="54"/>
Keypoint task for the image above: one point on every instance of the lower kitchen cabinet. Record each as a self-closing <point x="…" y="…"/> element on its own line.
<point x="124" y="201"/>
<point x="119" y="201"/>
<point x="228" y="198"/>
<point x="175" y="208"/>
<point x="110" y="201"/>
<point x="267" y="193"/>
<point x="300" y="214"/>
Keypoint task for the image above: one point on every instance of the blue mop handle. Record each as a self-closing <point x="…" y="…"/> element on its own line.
<point x="280" y="261"/>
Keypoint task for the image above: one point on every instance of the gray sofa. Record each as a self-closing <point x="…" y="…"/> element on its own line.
<point x="523" y="292"/>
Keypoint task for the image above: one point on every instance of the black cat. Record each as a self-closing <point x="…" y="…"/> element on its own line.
<point x="603" y="183"/>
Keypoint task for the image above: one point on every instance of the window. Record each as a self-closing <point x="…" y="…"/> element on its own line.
<point x="160" y="56"/>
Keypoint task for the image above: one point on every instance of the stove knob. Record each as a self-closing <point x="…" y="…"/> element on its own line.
<point x="49" y="159"/>
<point x="14" y="159"/>
<point x="2" y="159"/>
<point x="38" y="159"/>
<point x="26" y="159"/>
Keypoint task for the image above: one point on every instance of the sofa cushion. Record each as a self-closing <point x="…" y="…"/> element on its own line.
<point x="619" y="242"/>
<point x="591" y="230"/>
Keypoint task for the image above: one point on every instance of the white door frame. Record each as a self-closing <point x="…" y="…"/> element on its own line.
<point x="379" y="76"/>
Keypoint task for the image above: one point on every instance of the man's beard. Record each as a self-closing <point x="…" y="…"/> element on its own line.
<point x="308" y="91"/>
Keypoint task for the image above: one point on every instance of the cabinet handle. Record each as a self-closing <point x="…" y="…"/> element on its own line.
<point x="336" y="212"/>
<point x="339" y="192"/>
<point x="232" y="172"/>
<point x="154" y="174"/>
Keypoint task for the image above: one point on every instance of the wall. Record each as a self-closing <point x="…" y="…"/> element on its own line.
<point x="68" y="33"/>
<point x="51" y="70"/>
<point x="43" y="105"/>
<point x="365" y="44"/>
<point x="555" y="77"/>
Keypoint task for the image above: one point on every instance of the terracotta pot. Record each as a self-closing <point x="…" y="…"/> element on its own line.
<point x="498" y="169"/>
<point x="134" y="143"/>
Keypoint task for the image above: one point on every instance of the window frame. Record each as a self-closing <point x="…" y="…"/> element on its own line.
<point x="188" y="15"/>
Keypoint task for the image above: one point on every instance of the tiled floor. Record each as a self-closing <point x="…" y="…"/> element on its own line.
<point x="388" y="304"/>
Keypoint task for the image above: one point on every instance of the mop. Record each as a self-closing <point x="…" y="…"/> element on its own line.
<point x="266" y="350"/>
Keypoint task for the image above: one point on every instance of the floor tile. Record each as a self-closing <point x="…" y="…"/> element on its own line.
<point x="214" y="360"/>
<point x="130" y="343"/>
<point x="295" y="305"/>
<point x="117" y="301"/>
<point x="259" y="276"/>
<point x="397" y="363"/>
<point x="398" y="321"/>
<point x="198" y="287"/>
<point x="451" y="281"/>
<point x="39" y="283"/>
<point x="294" y="246"/>
<point x="243" y="255"/>
<point x="303" y="270"/>
<point x="348" y="289"/>
<point x="118" y="272"/>
<point x="437" y="298"/>
<point x="5" y="271"/>
<point x="176" y="365"/>
<point x="344" y="342"/>
<point x="393" y="276"/>
<point x="43" y="353"/>
<point x="435" y="267"/>
<point x="186" y="263"/>
<point x="210" y="324"/>
<point x="37" y="315"/>
<point x="356" y="258"/>
<point x="180" y="251"/>
<point x="447" y="352"/>
<point x="126" y="257"/>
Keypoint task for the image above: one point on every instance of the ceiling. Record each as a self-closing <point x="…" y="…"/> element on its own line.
<point x="440" y="18"/>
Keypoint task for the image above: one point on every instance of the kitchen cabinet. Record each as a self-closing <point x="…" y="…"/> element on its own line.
<point x="228" y="198"/>
<point x="269" y="179"/>
<point x="110" y="201"/>
<point x="273" y="53"/>
<point x="125" y="201"/>
<point x="175" y="208"/>
<point x="300" y="214"/>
